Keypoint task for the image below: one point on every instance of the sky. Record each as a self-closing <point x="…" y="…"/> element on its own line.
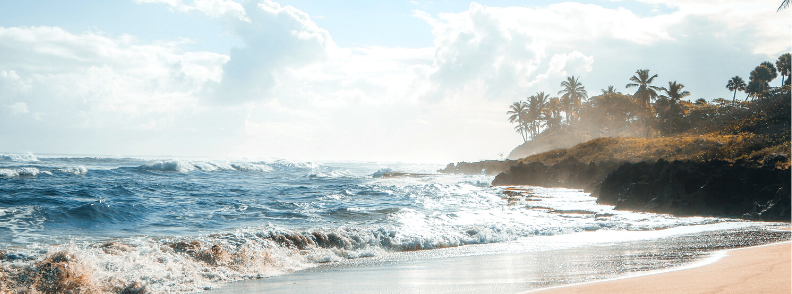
<point x="407" y="81"/>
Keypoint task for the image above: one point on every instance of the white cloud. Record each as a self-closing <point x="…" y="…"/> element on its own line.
<point x="277" y="39"/>
<point x="92" y="80"/>
<point x="11" y="85"/>
<point x="212" y="8"/>
<point x="18" y="108"/>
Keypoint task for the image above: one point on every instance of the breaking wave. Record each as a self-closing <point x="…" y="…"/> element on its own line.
<point x="189" y="264"/>
<point x="18" y="157"/>
<point x="76" y="170"/>
<point x="184" y="166"/>
<point x="251" y="167"/>
<point x="20" y="172"/>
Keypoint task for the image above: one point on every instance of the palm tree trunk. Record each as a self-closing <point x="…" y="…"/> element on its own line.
<point x="734" y="98"/>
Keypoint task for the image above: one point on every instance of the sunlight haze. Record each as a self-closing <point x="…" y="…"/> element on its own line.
<point x="409" y="81"/>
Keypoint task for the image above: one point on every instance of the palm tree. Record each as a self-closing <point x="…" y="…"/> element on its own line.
<point x="783" y="65"/>
<point x="735" y="84"/>
<point x="536" y="106"/>
<point x="519" y="114"/>
<point x="773" y="71"/>
<point x="574" y="93"/>
<point x="784" y="4"/>
<point x="759" y="80"/>
<point x="646" y="92"/>
<point x="669" y="110"/>
<point x="552" y="113"/>
<point x="566" y="106"/>
<point x="611" y="90"/>
<point x="673" y="92"/>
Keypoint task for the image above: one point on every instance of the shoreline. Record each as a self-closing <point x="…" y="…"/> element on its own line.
<point x="493" y="271"/>
<point x="763" y="269"/>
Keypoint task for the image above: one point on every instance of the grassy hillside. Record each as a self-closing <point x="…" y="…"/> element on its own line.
<point x="751" y="133"/>
<point x="745" y="147"/>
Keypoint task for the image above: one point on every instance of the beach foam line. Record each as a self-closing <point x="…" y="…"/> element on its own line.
<point x="758" y="269"/>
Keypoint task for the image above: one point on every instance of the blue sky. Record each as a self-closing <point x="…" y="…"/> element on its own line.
<point x="342" y="80"/>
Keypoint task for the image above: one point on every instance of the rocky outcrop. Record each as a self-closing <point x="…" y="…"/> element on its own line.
<point x="714" y="188"/>
<point x="569" y="173"/>
<point x="490" y="167"/>
<point x="682" y="188"/>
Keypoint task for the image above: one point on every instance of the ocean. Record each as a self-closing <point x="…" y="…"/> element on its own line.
<point x="196" y="224"/>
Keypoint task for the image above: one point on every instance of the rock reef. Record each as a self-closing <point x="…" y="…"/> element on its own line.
<point x="713" y="188"/>
<point x="490" y="167"/>
<point x="756" y="190"/>
<point x="569" y="173"/>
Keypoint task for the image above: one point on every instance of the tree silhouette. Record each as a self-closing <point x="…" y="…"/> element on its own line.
<point x="552" y="113"/>
<point x="518" y="113"/>
<point x="611" y="90"/>
<point x="773" y="70"/>
<point x="574" y="93"/>
<point x="673" y="91"/>
<point x="760" y="80"/>
<point x="536" y="106"/>
<point x="670" y="111"/>
<point x="735" y="84"/>
<point x="784" y="4"/>
<point x="615" y="112"/>
<point x="783" y="65"/>
<point x="646" y="92"/>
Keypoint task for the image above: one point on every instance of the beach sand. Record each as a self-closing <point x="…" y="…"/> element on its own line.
<point x="763" y="269"/>
<point x="471" y="269"/>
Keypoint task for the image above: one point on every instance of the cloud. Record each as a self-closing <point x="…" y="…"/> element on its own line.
<point x="497" y="52"/>
<point x="92" y="80"/>
<point x="11" y="84"/>
<point x="212" y="8"/>
<point x="277" y="38"/>
<point x="18" y="108"/>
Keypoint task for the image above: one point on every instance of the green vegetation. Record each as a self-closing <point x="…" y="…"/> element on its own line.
<point x="655" y="122"/>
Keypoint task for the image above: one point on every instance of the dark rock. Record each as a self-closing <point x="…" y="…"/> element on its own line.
<point x="490" y="167"/>
<point x="569" y="173"/>
<point x="713" y="188"/>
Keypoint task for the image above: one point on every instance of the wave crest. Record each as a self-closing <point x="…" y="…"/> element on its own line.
<point x="251" y="167"/>
<point x="170" y="165"/>
<point x="20" y="172"/>
<point x="18" y="157"/>
<point x="79" y="170"/>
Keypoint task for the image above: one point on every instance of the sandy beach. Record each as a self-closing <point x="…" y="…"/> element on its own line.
<point x="762" y="269"/>
<point x="463" y="270"/>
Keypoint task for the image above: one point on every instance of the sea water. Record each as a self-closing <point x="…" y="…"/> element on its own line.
<point x="190" y="224"/>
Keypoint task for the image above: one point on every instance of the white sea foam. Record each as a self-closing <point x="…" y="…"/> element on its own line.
<point x="18" y="157"/>
<point x="251" y="167"/>
<point x="188" y="166"/>
<point x="76" y="170"/>
<point x="171" y="165"/>
<point x="330" y="175"/>
<point x="20" y="172"/>
<point x="297" y="164"/>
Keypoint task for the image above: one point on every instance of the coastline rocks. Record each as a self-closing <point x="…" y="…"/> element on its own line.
<point x="714" y="188"/>
<point x="490" y="167"/>
<point x="569" y="173"/>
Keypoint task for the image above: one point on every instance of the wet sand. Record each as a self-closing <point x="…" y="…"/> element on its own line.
<point x="762" y="269"/>
<point x="453" y="270"/>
